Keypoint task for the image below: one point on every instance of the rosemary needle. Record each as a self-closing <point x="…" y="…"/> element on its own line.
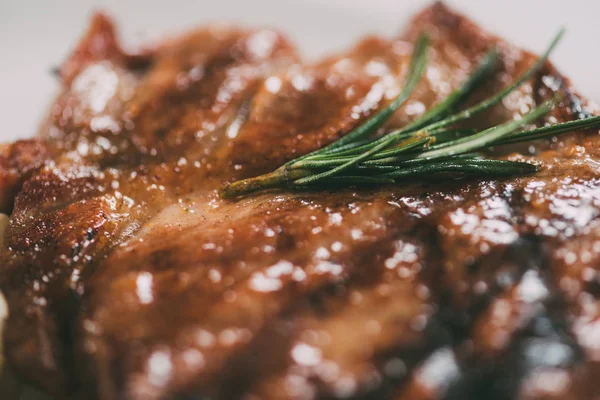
<point x="495" y="99"/>
<point x="552" y="130"/>
<point x="484" y="70"/>
<point x="483" y="139"/>
<point x="419" y="61"/>
<point x="492" y="168"/>
<point x="430" y="147"/>
<point x="410" y="144"/>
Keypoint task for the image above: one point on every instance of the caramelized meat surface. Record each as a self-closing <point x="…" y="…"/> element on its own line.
<point x="127" y="276"/>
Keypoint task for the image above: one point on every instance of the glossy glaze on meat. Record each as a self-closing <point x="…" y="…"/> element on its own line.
<point x="128" y="278"/>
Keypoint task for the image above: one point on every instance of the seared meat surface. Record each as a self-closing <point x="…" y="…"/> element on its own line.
<point x="127" y="276"/>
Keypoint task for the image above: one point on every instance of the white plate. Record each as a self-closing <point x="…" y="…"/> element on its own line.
<point x="36" y="34"/>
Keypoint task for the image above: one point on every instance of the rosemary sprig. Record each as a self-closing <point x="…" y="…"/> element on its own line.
<point x="429" y="147"/>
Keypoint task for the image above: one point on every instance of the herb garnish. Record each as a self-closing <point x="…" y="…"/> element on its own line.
<point x="424" y="148"/>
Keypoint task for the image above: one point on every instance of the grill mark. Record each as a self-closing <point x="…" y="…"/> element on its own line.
<point x="501" y="378"/>
<point x="457" y="317"/>
<point x="449" y="327"/>
<point x="435" y="332"/>
<point x="315" y="302"/>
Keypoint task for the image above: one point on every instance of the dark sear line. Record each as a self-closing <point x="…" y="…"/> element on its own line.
<point x="531" y="323"/>
<point x="488" y="361"/>
<point x="390" y="327"/>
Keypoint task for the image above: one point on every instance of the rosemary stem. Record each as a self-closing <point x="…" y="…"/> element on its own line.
<point x="278" y="178"/>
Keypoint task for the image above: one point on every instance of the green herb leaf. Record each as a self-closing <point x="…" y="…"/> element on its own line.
<point x="487" y="168"/>
<point x="419" y="61"/>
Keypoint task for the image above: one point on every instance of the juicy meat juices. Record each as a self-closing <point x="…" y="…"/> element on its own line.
<point x="127" y="276"/>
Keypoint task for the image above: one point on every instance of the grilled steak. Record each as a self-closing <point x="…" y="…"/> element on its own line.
<point x="128" y="277"/>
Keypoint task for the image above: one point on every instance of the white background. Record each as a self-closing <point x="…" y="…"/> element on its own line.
<point x="37" y="34"/>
